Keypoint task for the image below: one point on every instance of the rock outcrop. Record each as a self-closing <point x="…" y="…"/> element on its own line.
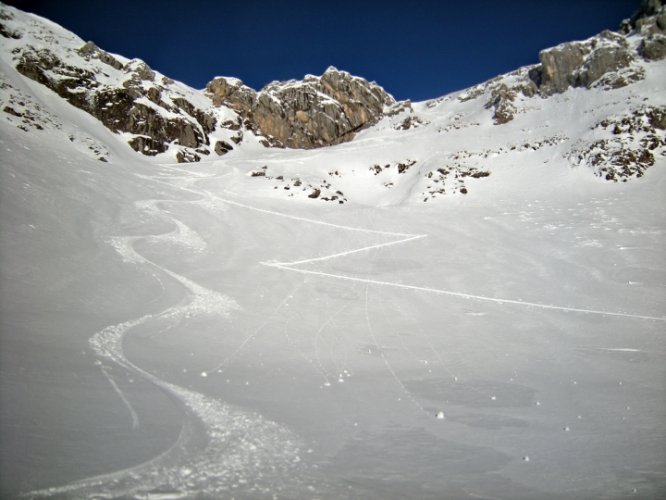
<point x="314" y="112"/>
<point x="137" y="106"/>
<point x="607" y="59"/>
<point x="637" y="137"/>
<point x="156" y="115"/>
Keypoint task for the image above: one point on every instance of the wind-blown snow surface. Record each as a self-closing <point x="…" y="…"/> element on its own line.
<point x="191" y="332"/>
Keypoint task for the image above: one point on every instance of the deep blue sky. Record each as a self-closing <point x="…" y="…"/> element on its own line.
<point x="414" y="49"/>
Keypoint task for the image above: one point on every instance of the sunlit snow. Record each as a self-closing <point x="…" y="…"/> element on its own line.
<point x="175" y="331"/>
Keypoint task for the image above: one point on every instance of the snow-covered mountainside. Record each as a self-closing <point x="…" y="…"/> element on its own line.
<point x="530" y="110"/>
<point x="159" y="116"/>
<point x="339" y="295"/>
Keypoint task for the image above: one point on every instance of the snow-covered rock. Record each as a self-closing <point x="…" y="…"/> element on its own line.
<point x="533" y="107"/>
<point x="314" y="112"/>
<point x="155" y="113"/>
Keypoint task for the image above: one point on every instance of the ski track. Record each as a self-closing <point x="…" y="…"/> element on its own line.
<point x="289" y="267"/>
<point x="220" y="450"/>
<point x="310" y="221"/>
<point x="316" y="353"/>
<point x="404" y="238"/>
<point x="387" y="363"/>
<point x="121" y="395"/>
<point x="346" y="253"/>
<point x="219" y="367"/>
<point x="308" y="361"/>
<point x="242" y="448"/>
<point x="317" y="341"/>
<point x="339" y="364"/>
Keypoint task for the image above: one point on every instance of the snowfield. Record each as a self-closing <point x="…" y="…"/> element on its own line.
<point x="197" y="331"/>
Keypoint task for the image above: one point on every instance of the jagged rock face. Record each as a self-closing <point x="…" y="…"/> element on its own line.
<point x="134" y="107"/>
<point x="317" y="111"/>
<point x="558" y="67"/>
<point x="231" y="92"/>
<point x="607" y="61"/>
<point x="158" y="114"/>
<point x="125" y="95"/>
<point x="581" y="64"/>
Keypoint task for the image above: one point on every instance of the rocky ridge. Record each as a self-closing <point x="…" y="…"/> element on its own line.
<point x="152" y="112"/>
<point x="158" y="116"/>
<point x="609" y="60"/>
<point x="314" y="112"/>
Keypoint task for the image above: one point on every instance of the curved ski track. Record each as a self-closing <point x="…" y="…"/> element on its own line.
<point x="236" y="442"/>
<point x="220" y="451"/>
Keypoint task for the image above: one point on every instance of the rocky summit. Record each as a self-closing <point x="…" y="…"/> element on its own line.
<point x="314" y="112"/>
<point x="158" y="115"/>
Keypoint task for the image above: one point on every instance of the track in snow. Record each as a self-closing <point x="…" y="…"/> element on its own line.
<point x="186" y="467"/>
<point x="406" y="238"/>
<point x="290" y="267"/>
<point x="220" y="450"/>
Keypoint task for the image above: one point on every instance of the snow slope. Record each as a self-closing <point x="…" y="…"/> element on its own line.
<point x="176" y="331"/>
